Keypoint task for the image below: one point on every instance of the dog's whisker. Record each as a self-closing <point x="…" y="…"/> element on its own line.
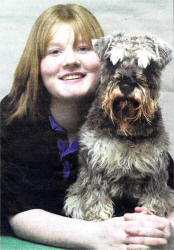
<point x="130" y="109"/>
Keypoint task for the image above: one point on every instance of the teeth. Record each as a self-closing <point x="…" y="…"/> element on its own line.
<point x="72" y="77"/>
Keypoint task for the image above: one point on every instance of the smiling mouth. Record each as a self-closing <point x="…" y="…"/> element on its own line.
<point x="72" y="77"/>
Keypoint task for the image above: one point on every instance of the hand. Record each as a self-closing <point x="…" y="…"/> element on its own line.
<point x="142" y="210"/>
<point x="120" y="233"/>
<point x="171" y="218"/>
<point x="151" y="230"/>
<point x="113" y="235"/>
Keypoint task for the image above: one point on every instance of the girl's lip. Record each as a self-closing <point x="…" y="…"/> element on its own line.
<point x="72" y="76"/>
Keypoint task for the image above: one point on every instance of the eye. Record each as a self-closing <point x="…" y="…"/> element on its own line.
<point x="55" y="51"/>
<point x="142" y="83"/>
<point x="84" y="48"/>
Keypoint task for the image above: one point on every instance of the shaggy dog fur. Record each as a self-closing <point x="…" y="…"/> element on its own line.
<point x="123" y="143"/>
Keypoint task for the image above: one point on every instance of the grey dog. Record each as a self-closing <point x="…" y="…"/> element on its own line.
<point x="123" y="143"/>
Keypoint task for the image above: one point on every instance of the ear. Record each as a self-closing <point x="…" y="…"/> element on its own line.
<point x="156" y="50"/>
<point x="164" y="52"/>
<point x="102" y="46"/>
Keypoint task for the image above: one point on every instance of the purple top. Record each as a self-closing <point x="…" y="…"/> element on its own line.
<point x="64" y="148"/>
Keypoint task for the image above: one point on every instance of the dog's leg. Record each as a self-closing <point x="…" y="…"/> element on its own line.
<point x="158" y="200"/>
<point x="157" y="196"/>
<point x="90" y="206"/>
<point x="88" y="202"/>
<point x="154" y="204"/>
<point x="88" y="197"/>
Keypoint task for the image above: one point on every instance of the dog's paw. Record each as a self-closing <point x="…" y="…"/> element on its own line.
<point x="100" y="212"/>
<point x="76" y="208"/>
<point x="158" y="207"/>
<point x="73" y="207"/>
<point x="100" y="216"/>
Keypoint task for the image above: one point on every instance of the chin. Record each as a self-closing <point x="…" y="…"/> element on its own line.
<point x="87" y="96"/>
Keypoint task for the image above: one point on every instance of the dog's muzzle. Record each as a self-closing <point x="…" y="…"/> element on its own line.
<point x="126" y="109"/>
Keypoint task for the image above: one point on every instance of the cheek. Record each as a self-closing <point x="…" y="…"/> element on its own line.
<point x="93" y="63"/>
<point x="48" y="67"/>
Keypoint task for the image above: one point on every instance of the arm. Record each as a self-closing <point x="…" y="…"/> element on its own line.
<point x="43" y="227"/>
<point x="47" y="228"/>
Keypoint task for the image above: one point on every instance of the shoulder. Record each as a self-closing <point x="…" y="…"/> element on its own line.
<point x="171" y="172"/>
<point x="23" y="139"/>
<point x="22" y="125"/>
<point x="5" y="108"/>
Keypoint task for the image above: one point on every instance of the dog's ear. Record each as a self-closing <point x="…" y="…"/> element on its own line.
<point x="157" y="51"/>
<point x="102" y="46"/>
<point x="164" y="52"/>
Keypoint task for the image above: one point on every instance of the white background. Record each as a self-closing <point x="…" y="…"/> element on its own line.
<point x="140" y="16"/>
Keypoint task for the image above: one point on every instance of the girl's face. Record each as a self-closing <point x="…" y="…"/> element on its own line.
<point x="69" y="72"/>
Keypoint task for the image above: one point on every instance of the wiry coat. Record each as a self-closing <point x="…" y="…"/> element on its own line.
<point x="123" y="143"/>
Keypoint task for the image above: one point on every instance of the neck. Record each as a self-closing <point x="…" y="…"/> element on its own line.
<point x="70" y="116"/>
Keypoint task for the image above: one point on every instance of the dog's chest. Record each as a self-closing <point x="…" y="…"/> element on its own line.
<point x="118" y="159"/>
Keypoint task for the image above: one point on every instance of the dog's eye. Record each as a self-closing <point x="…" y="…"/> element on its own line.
<point x="142" y="83"/>
<point x="113" y="78"/>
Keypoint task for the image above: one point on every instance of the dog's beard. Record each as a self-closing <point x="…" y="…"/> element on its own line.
<point x="125" y="111"/>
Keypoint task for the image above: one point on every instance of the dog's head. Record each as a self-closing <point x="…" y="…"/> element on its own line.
<point x="130" y="76"/>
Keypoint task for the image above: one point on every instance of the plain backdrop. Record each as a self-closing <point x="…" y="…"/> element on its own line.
<point x="140" y="16"/>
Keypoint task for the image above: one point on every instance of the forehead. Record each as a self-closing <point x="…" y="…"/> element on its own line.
<point x="64" y="33"/>
<point x="61" y="33"/>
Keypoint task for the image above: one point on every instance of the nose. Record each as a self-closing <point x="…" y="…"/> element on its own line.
<point x="71" y="60"/>
<point x="126" y="86"/>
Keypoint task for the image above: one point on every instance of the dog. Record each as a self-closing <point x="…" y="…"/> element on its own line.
<point x="123" y="142"/>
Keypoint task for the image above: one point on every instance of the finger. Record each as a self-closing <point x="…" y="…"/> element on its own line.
<point x="144" y="223"/>
<point x="139" y="216"/>
<point x="137" y="247"/>
<point x="146" y="232"/>
<point x="144" y="219"/>
<point x="139" y="209"/>
<point x="167" y="232"/>
<point x="148" y="241"/>
<point x="142" y="210"/>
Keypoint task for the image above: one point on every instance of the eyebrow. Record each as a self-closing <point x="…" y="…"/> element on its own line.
<point x="54" y="44"/>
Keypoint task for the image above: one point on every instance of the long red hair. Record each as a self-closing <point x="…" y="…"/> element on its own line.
<point x="28" y="96"/>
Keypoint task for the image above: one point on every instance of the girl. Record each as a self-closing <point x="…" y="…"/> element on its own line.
<point x="53" y="87"/>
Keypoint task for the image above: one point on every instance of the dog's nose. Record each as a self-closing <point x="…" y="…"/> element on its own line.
<point x="126" y="89"/>
<point x="127" y="86"/>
